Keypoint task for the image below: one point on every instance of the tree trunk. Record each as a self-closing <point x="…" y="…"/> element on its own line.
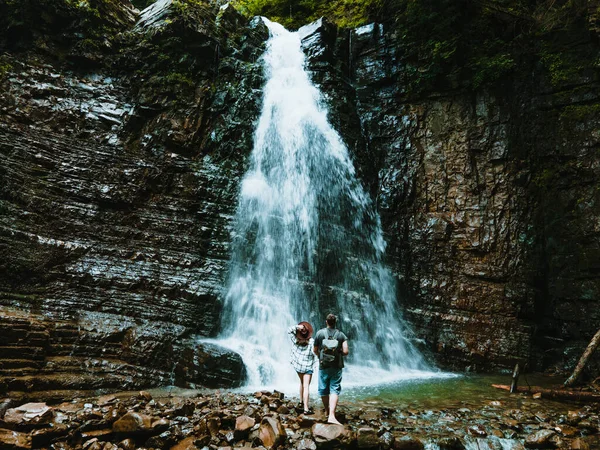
<point x="554" y="393"/>
<point x="583" y="360"/>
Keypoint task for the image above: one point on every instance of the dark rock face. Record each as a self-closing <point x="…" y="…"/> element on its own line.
<point x="118" y="181"/>
<point x="122" y="142"/>
<point x="488" y="198"/>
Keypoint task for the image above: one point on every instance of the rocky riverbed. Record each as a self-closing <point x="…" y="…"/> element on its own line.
<point x="268" y="419"/>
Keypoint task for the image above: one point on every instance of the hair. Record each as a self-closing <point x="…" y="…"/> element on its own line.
<point x="331" y="320"/>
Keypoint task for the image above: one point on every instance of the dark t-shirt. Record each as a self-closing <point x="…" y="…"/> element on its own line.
<point x="327" y="333"/>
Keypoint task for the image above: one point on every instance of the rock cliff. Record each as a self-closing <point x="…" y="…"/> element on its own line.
<point x="489" y="197"/>
<point x="120" y="163"/>
<point x="123" y="137"/>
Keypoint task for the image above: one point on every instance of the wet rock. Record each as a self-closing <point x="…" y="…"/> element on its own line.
<point x="160" y="424"/>
<point x="185" y="444"/>
<point x="326" y="434"/>
<point x="144" y="395"/>
<point x="243" y="425"/>
<point x="306" y="444"/>
<point x="132" y="423"/>
<point x="367" y="438"/>
<point x="579" y="444"/>
<point x="271" y="433"/>
<point x="29" y="414"/>
<point x="540" y="439"/>
<point x="408" y="443"/>
<point x="14" y="439"/>
<point x="450" y="443"/>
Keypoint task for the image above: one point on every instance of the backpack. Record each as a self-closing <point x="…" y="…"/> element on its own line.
<point x="329" y="350"/>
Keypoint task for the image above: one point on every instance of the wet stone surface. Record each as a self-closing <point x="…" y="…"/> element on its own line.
<point x="218" y="420"/>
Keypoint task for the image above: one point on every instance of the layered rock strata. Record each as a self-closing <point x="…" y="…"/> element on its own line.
<point x="119" y="171"/>
<point x="488" y="197"/>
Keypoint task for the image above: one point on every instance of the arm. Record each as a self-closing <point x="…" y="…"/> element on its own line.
<point x="316" y="350"/>
<point x="345" y="348"/>
<point x="292" y="333"/>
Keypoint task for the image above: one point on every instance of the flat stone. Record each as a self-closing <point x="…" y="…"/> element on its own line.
<point x="540" y="439"/>
<point x="37" y="413"/>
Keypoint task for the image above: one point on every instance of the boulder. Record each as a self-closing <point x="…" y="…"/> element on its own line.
<point x="271" y="433"/>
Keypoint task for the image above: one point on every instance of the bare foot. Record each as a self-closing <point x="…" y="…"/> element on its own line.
<point x="333" y="420"/>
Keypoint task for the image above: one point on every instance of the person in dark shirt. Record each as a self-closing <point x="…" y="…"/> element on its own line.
<point x="330" y="369"/>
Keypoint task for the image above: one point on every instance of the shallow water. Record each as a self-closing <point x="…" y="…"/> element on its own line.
<point x="441" y="391"/>
<point x="461" y="391"/>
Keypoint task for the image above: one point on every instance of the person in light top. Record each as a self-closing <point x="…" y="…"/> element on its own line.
<point x="303" y="358"/>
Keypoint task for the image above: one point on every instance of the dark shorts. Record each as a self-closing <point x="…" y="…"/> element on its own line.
<point x="330" y="381"/>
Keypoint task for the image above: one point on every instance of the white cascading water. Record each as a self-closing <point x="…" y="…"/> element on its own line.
<point x="307" y="241"/>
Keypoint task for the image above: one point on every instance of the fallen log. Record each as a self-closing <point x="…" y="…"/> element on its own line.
<point x="554" y="393"/>
<point x="583" y="360"/>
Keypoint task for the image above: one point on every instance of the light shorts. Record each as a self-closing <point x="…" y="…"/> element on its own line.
<point x="330" y="381"/>
<point x="308" y="372"/>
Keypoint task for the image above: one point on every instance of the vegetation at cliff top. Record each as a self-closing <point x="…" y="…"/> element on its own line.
<point x="455" y="42"/>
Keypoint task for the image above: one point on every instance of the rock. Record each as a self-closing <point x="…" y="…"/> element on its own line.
<point x="132" y="423"/>
<point x="579" y="444"/>
<point x="477" y="431"/>
<point x="29" y="413"/>
<point x="185" y="444"/>
<point x="408" y="443"/>
<point x="243" y="425"/>
<point x="306" y="444"/>
<point x="567" y="430"/>
<point x="450" y="443"/>
<point x="271" y="433"/>
<point x="367" y="438"/>
<point x="145" y="395"/>
<point x="283" y="410"/>
<point x="213" y="425"/>
<point x="387" y="440"/>
<point x="14" y="439"/>
<point x="129" y="444"/>
<point x="540" y="439"/>
<point x="326" y="433"/>
<point x="161" y="424"/>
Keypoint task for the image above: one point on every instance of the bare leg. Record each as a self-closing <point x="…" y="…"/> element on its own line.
<point x="325" y="399"/>
<point x="333" y="401"/>
<point x="301" y="386"/>
<point x="306" y="377"/>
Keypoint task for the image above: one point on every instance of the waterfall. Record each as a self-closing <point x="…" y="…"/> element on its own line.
<point x="307" y="240"/>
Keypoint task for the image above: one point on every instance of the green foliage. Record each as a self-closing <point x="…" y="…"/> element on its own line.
<point x="5" y="67"/>
<point x="295" y="13"/>
<point x="142" y="4"/>
<point x="579" y="113"/>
